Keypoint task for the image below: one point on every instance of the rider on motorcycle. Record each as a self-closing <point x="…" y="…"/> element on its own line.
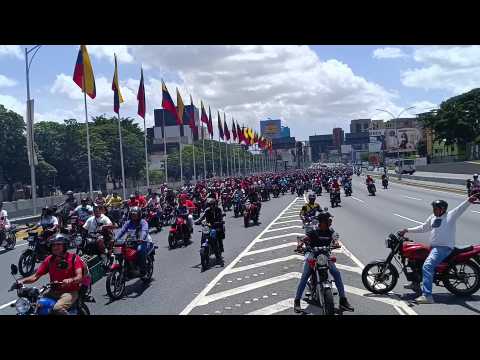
<point x="213" y="215"/>
<point x="70" y="202"/>
<point x="183" y="209"/>
<point x="99" y="223"/>
<point x="369" y="180"/>
<point x="322" y="236"/>
<point x="309" y="207"/>
<point x="83" y="210"/>
<point x="442" y="226"/>
<point x="475" y="188"/>
<point x="142" y="202"/>
<point x="142" y="236"/>
<point x="133" y="201"/>
<point x="4" y="217"/>
<point x="69" y="279"/>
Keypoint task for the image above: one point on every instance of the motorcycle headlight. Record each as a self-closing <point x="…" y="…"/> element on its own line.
<point x="322" y="260"/>
<point x="22" y="305"/>
<point x="78" y="240"/>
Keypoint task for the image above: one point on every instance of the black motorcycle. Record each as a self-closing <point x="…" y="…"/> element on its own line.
<point x="238" y="206"/>
<point x="300" y="191"/>
<point x="265" y="194"/>
<point x="318" y="190"/>
<point x="36" y="252"/>
<point x="276" y="192"/>
<point x="385" y="183"/>
<point x="209" y="243"/>
<point x="335" y="198"/>
<point x="348" y="189"/>
<point x="371" y="189"/>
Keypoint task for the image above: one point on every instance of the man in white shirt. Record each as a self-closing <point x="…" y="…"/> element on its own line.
<point x="83" y="210"/>
<point x="102" y="224"/>
<point x="4" y="217"/>
<point x="442" y="227"/>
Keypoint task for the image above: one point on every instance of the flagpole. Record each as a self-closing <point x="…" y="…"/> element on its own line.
<point x="245" y="162"/>
<point x="121" y="155"/>
<point x="204" y="160"/>
<point x="165" y="145"/>
<point x="181" y="158"/>
<point x="146" y="153"/>
<point x="88" y="139"/>
<point x="213" y="162"/>
<point x="233" y="157"/>
<point x="193" y="150"/>
<point x="220" y="154"/>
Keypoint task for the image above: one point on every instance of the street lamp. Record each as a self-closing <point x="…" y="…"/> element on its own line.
<point x="395" y="124"/>
<point x="30" y="137"/>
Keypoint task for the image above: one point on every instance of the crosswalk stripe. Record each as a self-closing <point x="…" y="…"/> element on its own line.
<point x="265" y="263"/>
<point x="285" y="228"/>
<point x="279" y="236"/>
<point x="272" y="248"/>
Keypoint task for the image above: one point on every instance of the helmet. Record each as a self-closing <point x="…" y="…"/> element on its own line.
<point x="211" y="202"/>
<point x="475" y="176"/>
<point x="82" y="200"/>
<point x="132" y="196"/>
<point x="69" y="193"/>
<point x="59" y="239"/>
<point x="324" y="217"/>
<point x="135" y="211"/>
<point x="442" y="204"/>
<point x="311" y="197"/>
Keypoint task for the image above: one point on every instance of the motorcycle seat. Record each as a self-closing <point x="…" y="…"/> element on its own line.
<point x="458" y="250"/>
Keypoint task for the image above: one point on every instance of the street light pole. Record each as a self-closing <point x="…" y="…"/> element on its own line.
<point x="30" y="136"/>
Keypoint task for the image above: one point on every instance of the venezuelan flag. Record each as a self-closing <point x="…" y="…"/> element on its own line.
<point x="167" y="103"/>
<point x="117" y="95"/>
<point x="83" y="73"/>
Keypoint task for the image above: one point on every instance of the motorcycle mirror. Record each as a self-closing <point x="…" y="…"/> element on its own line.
<point x="13" y="269"/>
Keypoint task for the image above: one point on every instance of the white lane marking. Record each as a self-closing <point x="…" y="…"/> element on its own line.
<point x="244" y="288"/>
<point x="354" y="269"/>
<point x="285" y="228"/>
<point x="288" y="221"/>
<point x="289" y="216"/>
<point x="406" y="218"/>
<point x="212" y="283"/>
<point x="265" y="263"/>
<point x="20" y="245"/>
<point x="351" y="256"/>
<point x="279" y="236"/>
<point x="413" y="198"/>
<point x="399" y="310"/>
<point x="354" y="198"/>
<point x="278" y="307"/>
<point x="385" y="299"/>
<point x="293" y="213"/>
<point x="7" y="304"/>
<point x="272" y="248"/>
<point x="474" y="211"/>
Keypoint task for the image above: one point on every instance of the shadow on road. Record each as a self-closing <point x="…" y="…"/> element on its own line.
<point x="136" y="288"/>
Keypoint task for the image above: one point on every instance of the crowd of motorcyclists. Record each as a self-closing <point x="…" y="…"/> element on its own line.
<point x="87" y="227"/>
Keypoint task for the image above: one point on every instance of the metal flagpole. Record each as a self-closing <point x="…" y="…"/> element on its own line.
<point x="220" y="170"/>
<point x="181" y="158"/>
<point x="121" y="156"/>
<point x="88" y="141"/>
<point x="165" y="145"/>
<point x="226" y="146"/>
<point x="234" y="169"/>
<point x="204" y="160"/>
<point x="193" y="151"/>
<point x="245" y="162"/>
<point x="146" y="153"/>
<point x="213" y="162"/>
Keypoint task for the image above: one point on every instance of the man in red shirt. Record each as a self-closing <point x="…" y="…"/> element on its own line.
<point x="68" y="279"/>
<point x="142" y="202"/>
<point x="132" y="201"/>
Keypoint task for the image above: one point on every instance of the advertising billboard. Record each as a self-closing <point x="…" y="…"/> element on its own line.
<point x="271" y="129"/>
<point x="402" y="140"/>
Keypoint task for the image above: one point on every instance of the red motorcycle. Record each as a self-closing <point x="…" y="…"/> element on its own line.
<point x="125" y="268"/>
<point x="152" y="218"/>
<point x="459" y="273"/>
<point x="250" y="213"/>
<point x="179" y="232"/>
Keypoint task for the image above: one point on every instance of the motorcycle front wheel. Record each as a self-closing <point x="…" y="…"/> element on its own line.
<point x="204" y="258"/>
<point x="26" y="263"/>
<point x="115" y="284"/>
<point x="11" y="242"/>
<point x="83" y="309"/>
<point x="375" y="282"/>
<point x="148" y="276"/>
<point x="328" y="304"/>
<point x="463" y="279"/>
<point x="171" y="241"/>
<point x="246" y="220"/>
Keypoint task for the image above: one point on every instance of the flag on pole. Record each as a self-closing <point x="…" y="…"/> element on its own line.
<point x="167" y="103"/>
<point x="220" y="130"/>
<point x="210" y="123"/>
<point x="180" y="107"/>
<point x="141" y="97"/>
<point x="225" y="128"/>
<point x="83" y="69"/>
<point x="191" y="115"/>
<point x="234" y="130"/>
<point x="117" y="95"/>
<point x="204" y="117"/>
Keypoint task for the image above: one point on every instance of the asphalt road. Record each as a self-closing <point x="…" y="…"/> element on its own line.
<point x="261" y="270"/>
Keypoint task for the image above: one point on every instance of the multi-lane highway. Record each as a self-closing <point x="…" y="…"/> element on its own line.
<point x="262" y="271"/>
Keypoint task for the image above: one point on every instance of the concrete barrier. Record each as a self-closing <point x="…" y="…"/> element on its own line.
<point x="426" y="178"/>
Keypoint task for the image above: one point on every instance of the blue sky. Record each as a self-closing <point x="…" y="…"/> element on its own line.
<point x="311" y="88"/>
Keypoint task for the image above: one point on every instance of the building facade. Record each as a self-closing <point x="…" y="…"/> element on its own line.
<point x="320" y="144"/>
<point x="359" y="125"/>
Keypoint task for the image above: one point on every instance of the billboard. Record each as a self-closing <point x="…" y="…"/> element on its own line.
<point x="402" y="140"/>
<point x="271" y="129"/>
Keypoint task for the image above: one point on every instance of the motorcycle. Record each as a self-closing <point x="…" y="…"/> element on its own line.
<point x="276" y="191"/>
<point x="335" y="198"/>
<point x="319" y="284"/>
<point x="209" y="244"/>
<point x="318" y="189"/>
<point x="371" y="189"/>
<point x="167" y="216"/>
<point x="125" y="268"/>
<point x="152" y="218"/>
<point x="459" y="272"/>
<point x="265" y="194"/>
<point x="250" y="213"/>
<point x="32" y="302"/>
<point x="385" y="183"/>
<point x="36" y="252"/>
<point x="237" y="206"/>
<point x="8" y="239"/>
<point x="348" y="189"/>
<point x="226" y="202"/>
<point x="197" y="209"/>
<point x="292" y="189"/>
<point x="300" y="191"/>
<point x="179" y="231"/>
<point x="284" y="189"/>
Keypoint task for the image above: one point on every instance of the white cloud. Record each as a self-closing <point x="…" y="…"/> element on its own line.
<point x="388" y="53"/>
<point x="7" y="82"/>
<point x="452" y="68"/>
<point x="11" y="50"/>
<point x="254" y="82"/>
<point x="107" y="51"/>
<point x="12" y="103"/>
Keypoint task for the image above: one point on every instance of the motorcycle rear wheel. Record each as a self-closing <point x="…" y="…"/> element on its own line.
<point x="115" y="284"/>
<point x="11" y="242"/>
<point x="377" y="267"/>
<point x="451" y="280"/>
<point x="246" y="220"/>
<point x="171" y="241"/>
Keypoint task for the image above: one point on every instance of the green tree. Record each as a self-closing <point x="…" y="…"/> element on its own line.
<point x="13" y="145"/>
